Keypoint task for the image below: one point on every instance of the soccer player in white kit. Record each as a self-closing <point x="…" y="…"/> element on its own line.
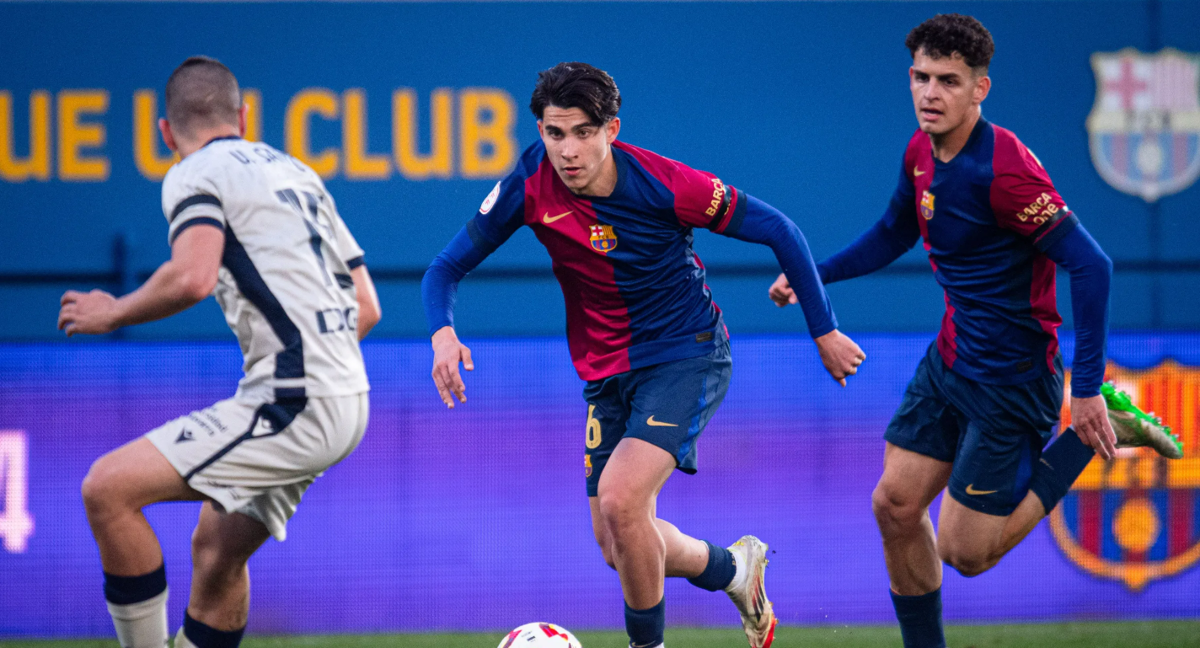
<point x="259" y="227"/>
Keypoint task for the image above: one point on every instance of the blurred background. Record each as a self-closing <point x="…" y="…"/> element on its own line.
<point x="412" y="111"/>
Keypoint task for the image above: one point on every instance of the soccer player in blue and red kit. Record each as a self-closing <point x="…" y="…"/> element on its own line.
<point x="987" y="395"/>
<point x="642" y="327"/>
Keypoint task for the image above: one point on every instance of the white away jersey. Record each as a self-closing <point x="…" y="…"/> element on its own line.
<point x="284" y="282"/>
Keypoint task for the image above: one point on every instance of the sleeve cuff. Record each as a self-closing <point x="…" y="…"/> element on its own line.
<point x="355" y="262"/>
<point x="199" y="220"/>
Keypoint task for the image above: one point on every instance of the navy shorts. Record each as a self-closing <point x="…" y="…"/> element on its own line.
<point x="665" y="404"/>
<point x="993" y="434"/>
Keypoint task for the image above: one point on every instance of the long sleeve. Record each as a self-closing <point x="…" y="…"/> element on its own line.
<point x="1091" y="273"/>
<point x="875" y="249"/>
<point x="439" y="286"/>
<point x="761" y="223"/>
<point x="887" y="240"/>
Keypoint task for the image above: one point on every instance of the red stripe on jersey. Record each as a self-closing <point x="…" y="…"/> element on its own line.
<point x="1044" y="303"/>
<point x="947" y="340"/>
<point x="598" y="332"/>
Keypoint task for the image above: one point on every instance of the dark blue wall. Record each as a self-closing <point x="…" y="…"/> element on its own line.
<point x="803" y="104"/>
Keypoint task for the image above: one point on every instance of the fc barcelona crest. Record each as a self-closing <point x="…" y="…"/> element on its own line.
<point x="603" y="238"/>
<point x="927" y="205"/>
<point x="1144" y="129"/>
<point x="1137" y="518"/>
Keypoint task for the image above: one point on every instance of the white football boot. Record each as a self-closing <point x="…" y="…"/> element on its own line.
<point x="748" y="591"/>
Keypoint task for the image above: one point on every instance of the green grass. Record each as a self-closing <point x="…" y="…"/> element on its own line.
<point x="1142" y="634"/>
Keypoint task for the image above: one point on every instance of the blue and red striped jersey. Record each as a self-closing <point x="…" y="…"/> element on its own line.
<point x="634" y="288"/>
<point x="987" y="217"/>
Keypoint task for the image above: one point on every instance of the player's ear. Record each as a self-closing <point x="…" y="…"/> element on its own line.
<point x="242" y="119"/>
<point x="612" y="128"/>
<point x="540" y="133"/>
<point x="982" y="87"/>
<point x="168" y="137"/>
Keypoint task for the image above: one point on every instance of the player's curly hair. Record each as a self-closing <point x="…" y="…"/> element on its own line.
<point x="945" y="35"/>
<point x="577" y="85"/>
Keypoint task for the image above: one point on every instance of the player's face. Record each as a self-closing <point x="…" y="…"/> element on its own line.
<point x="580" y="150"/>
<point x="946" y="92"/>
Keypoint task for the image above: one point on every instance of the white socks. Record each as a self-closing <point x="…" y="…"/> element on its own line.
<point x="143" y="624"/>
<point x="740" y="574"/>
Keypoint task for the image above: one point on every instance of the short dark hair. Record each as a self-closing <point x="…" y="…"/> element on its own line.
<point x="945" y="35"/>
<point x="202" y="92"/>
<point x="577" y="85"/>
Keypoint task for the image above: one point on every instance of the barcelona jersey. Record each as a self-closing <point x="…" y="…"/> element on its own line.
<point x="986" y="218"/>
<point x="634" y="288"/>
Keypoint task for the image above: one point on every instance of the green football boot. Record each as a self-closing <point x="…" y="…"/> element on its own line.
<point x="1136" y="428"/>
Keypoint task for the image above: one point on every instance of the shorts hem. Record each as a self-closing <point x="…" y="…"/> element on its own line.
<point x="978" y="506"/>
<point x="912" y="446"/>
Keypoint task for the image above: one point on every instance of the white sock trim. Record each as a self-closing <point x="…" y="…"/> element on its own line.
<point x="740" y="574"/>
<point x="142" y="624"/>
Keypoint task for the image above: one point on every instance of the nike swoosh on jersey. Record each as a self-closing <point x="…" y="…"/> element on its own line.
<point x="918" y="172"/>
<point x="547" y="218"/>
<point x="652" y="423"/>
<point x="971" y="491"/>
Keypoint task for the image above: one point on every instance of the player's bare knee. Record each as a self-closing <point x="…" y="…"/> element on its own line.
<point x="100" y="491"/>
<point x="894" y="512"/>
<point x="621" y="509"/>
<point x="966" y="560"/>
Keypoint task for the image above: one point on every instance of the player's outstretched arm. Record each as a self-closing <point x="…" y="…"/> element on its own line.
<point x="764" y="224"/>
<point x="369" y="311"/>
<point x="180" y="283"/>
<point x="1070" y="246"/>
<point x="875" y="249"/>
<point x="439" y="288"/>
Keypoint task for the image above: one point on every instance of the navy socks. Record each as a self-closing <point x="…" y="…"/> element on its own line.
<point x="126" y="590"/>
<point x="1061" y="465"/>
<point x="646" y="627"/>
<point x="203" y="636"/>
<point x="920" y="619"/>
<point x="719" y="572"/>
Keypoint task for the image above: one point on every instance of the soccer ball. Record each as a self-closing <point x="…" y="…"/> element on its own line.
<point x="539" y="635"/>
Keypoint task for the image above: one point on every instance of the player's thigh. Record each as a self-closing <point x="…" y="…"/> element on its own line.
<point x="964" y="531"/>
<point x="673" y="403"/>
<point x="909" y="483"/>
<point x="135" y="474"/>
<point x="607" y="414"/>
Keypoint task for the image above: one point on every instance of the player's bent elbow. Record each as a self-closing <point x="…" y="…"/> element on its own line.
<point x="196" y="286"/>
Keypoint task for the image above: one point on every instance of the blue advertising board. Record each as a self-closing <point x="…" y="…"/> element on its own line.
<point x="477" y="517"/>
<point x="413" y="110"/>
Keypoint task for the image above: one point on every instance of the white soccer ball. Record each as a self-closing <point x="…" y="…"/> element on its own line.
<point x="539" y="635"/>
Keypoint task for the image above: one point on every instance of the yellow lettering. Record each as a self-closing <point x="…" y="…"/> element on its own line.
<point x="37" y="164"/>
<point x="74" y="135"/>
<point x="149" y="163"/>
<point x="252" y="99"/>
<point x="496" y="133"/>
<point x="296" y="134"/>
<point x="405" y="135"/>
<point x="360" y="165"/>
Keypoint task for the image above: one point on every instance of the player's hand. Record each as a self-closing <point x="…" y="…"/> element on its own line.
<point x="840" y="355"/>
<point x="447" y="353"/>
<point x="94" y="313"/>
<point x="1089" y="417"/>
<point x="781" y="292"/>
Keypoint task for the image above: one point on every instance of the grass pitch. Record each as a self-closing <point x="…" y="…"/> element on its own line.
<point x="1142" y="634"/>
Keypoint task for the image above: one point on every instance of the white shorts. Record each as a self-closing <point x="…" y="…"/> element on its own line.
<point x="258" y="458"/>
